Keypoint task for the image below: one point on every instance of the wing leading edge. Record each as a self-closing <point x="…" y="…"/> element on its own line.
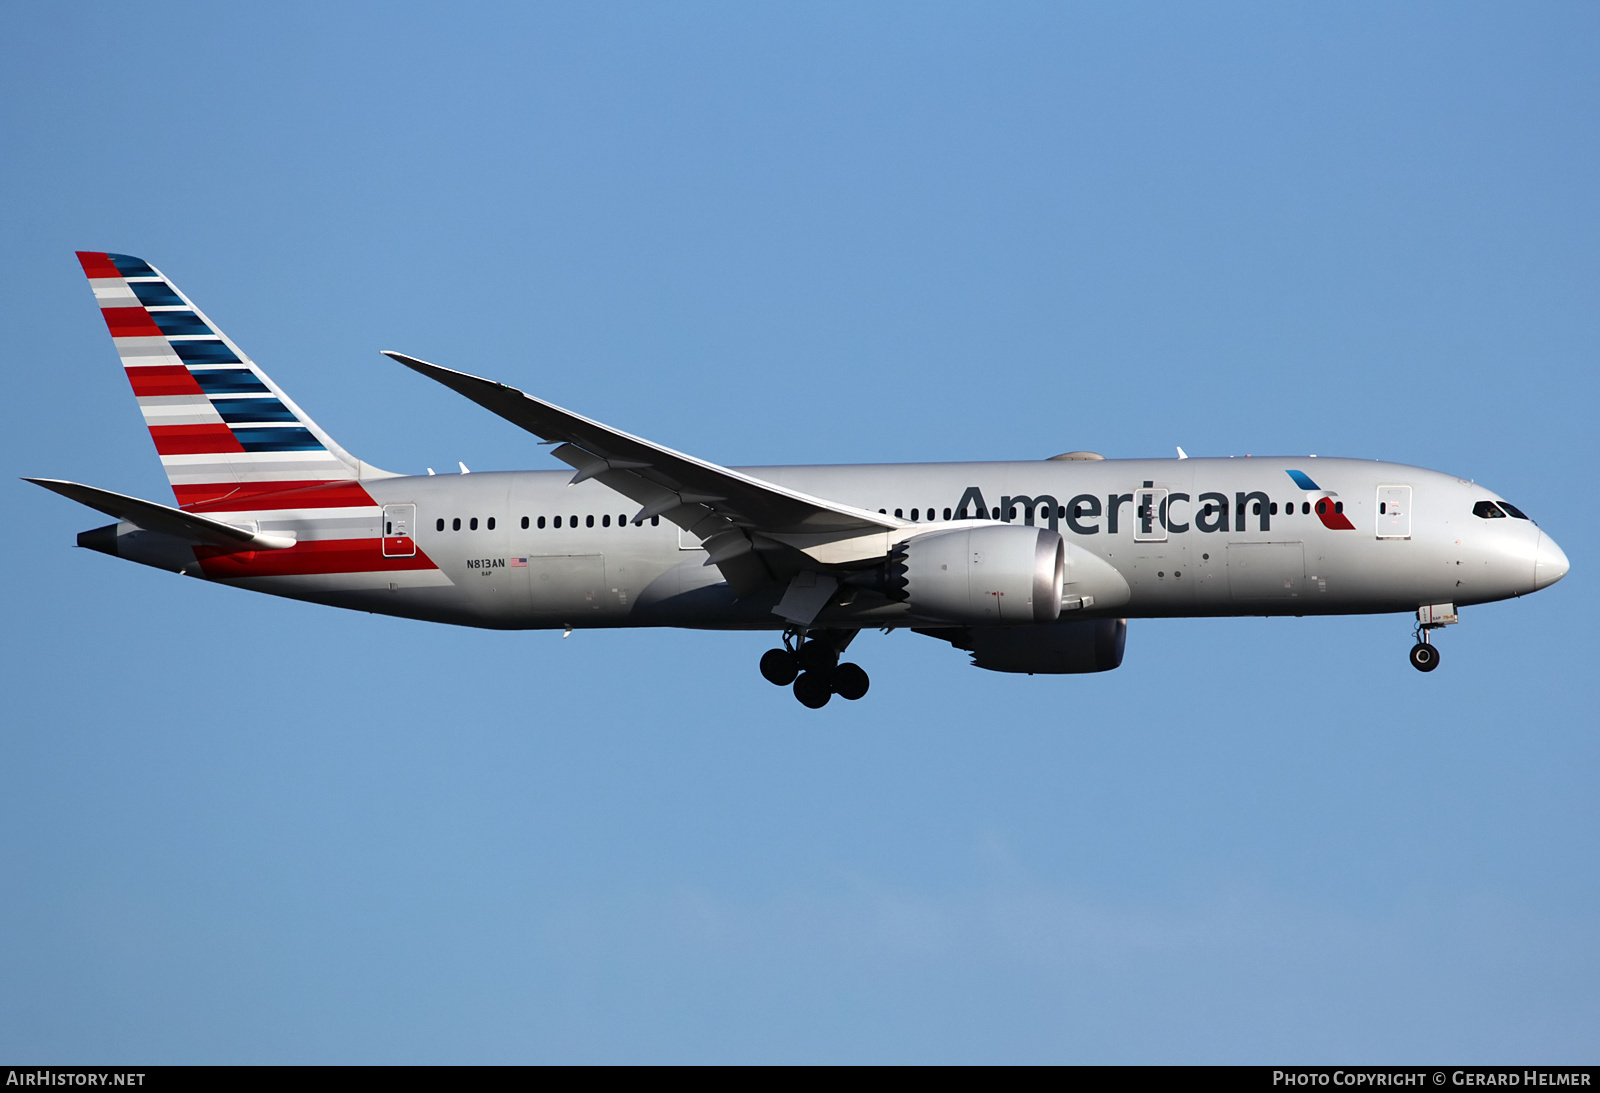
<point x="754" y="531"/>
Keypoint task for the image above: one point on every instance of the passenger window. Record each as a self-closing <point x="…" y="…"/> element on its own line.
<point x="558" y="521"/>
<point x="1305" y="508"/>
<point x="1255" y="508"/>
<point x="588" y="521"/>
<point x="1338" y="506"/>
<point x="914" y="513"/>
<point x="472" y="524"/>
<point x="572" y="521"/>
<point x="541" y="523"/>
<point x="524" y="523"/>
<point x="622" y="519"/>
<point x="1383" y="508"/>
<point x="947" y="514"/>
<point x="655" y="521"/>
<point x="491" y="523"/>
<point x="439" y="524"/>
<point x="1487" y="510"/>
<point x="1273" y="511"/>
<point x="605" y="521"/>
<point x="899" y="514"/>
<point x="455" y="525"/>
<point x="1322" y="508"/>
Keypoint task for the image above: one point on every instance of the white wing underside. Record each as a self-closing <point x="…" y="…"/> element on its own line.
<point x="756" y="532"/>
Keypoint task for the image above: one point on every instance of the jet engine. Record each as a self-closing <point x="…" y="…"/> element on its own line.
<point x="1062" y="648"/>
<point x="998" y="574"/>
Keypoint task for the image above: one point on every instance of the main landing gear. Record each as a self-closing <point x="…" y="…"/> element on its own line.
<point x="1424" y="656"/>
<point x="810" y="661"/>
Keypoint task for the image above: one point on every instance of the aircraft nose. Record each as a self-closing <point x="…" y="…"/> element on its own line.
<point x="1549" y="564"/>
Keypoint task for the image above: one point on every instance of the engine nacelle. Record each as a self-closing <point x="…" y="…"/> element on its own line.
<point x="991" y="575"/>
<point x="1063" y="648"/>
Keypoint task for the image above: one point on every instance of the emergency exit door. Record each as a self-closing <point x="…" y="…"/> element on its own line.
<point x="399" y="522"/>
<point x="1150" y="516"/>
<point x="1394" y="512"/>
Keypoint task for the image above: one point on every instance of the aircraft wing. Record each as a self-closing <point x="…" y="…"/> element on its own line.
<point x="752" y="529"/>
<point x="165" y="519"/>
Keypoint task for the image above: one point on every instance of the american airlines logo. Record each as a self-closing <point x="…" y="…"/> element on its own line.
<point x="1155" y="512"/>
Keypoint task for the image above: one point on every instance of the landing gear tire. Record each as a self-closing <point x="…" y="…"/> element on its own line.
<point x="850" y="681"/>
<point x="812" y="690"/>
<point x="817" y="656"/>
<point x="778" y="666"/>
<point x="1424" y="657"/>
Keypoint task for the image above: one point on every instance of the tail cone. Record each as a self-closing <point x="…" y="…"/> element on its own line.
<point x="102" y="539"/>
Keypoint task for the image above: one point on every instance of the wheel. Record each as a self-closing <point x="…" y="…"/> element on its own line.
<point x="779" y="667"/>
<point x="850" y="681"/>
<point x="817" y="656"/>
<point x="812" y="690"/>
<point x="1424" y="657"/>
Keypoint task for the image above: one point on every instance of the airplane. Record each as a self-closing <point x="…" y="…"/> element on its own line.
<point x="1030" y="567"/>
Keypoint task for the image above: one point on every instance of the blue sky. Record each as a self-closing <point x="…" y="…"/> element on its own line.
<point x="237" y="829"/>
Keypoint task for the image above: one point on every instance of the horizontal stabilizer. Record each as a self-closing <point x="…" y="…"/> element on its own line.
<point x="164" y="519"/>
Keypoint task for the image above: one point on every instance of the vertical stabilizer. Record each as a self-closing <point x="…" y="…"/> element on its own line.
<point x="223" y="429"/>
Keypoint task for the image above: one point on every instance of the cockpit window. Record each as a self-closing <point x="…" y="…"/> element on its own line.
<point x="1514" y="511"/>
<point x="1487" y="510"/>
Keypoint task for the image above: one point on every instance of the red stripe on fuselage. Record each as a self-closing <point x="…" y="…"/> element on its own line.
<point x="130" y="322"/>
<point x="250" y="496"/>
<point x="97" y="264"/>
<point x="194" y="439"/>
<point x="163" y="379"/>
<point x="319" y="556"/>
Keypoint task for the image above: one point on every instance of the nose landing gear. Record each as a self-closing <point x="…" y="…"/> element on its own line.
<point x="1424" y="657"/>
<point x="810" y="661"/>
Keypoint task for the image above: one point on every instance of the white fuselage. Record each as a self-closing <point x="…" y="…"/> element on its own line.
<point x="1165" y="554"/>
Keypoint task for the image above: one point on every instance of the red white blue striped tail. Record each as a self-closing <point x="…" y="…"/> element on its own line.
<point x="223" y="429"/>
<point x="238" y="449"/>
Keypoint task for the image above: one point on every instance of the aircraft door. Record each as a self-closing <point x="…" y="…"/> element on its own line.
<point x="1266" y="571"/>
<point x="1394" y="512"/>
<point x="1149" y="516"/>
<point x="568" y="588"/>
<point x="399" y="525"/>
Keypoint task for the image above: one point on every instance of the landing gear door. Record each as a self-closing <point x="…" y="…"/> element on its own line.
<point x="1149" y="516"/>
<point x="399" y="523"/>
<point x="1394" y="512"/>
